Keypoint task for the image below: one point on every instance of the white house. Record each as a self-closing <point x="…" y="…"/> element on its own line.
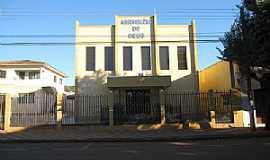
<point x="26" y="76"/>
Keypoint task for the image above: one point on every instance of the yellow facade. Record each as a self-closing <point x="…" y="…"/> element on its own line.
<point x="217" y="77"/>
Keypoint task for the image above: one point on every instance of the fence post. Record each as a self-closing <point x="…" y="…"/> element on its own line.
<point x="110" y="104"/>
<point x="59" y="106"/>
<point x="7" y="112"/>
<point x="162" y="107"/>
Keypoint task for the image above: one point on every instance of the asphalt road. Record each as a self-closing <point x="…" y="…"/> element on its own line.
<point x="255" y="149"/>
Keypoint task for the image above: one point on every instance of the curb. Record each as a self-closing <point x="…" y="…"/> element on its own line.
<point x="140" y="139"/>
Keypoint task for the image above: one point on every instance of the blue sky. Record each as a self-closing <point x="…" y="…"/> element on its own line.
<point x="40" y="17"/>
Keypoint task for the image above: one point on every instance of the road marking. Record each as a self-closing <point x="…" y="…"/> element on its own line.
<point x="181" y="143"/>
<point x="130" y="151"/>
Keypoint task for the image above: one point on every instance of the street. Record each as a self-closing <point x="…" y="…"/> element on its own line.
<point x="208" y="149"/>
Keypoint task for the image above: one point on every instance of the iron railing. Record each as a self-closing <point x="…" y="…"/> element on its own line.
<point x="33" y="110"/>
<point x="184" y="106"/>
<point x="136" y="113"/>
<point x="84" y="109"/>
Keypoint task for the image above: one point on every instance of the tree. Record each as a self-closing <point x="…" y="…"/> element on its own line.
<point x="246" y="45"/>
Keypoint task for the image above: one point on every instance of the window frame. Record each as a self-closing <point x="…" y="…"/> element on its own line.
<point x="55" y="79"/>
<point x="107" y="66"/>
<point x="168" y="58"/>
<point x="146" y="67"/>
<point x="88" y="65"/>
<point x="61" y="81"/>
<point x="3" y="74"/>
<point x="181" y="66"/>
<point x="128" y="67"/>
<point x="20" y="76"/>
<point x="36" y="76"/>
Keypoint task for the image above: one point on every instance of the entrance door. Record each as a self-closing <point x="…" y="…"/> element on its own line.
<point x="138" y="106"/>
<point x="137" y="100"/>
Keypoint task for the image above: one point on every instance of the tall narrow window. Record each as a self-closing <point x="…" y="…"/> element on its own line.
<point x="3" y="74"/>
<point x="54" y="79"/>
<point x="127" y="58"/>
<point x="182" y="57"/>
<point x="90" y="58"/>
<point x="60" y="81"/>
<point x="164" y="57"/>
<point x="146" y="58"/>
<point x="109" y="59"/>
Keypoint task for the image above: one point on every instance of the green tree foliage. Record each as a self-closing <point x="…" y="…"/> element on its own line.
<point x="248" y="45"/>
<point x="248" y="42"/>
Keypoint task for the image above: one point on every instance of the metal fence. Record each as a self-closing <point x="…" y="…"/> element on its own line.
<point x="2" y="106"/>
<point x="33" y="110"/>
<point x="83" y="109"/>
<point x="183" y="106"/>
<point x="133" y="108"/>
<point x="136" y="113"/>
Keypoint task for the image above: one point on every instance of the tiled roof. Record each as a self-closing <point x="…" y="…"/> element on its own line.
<point x="21" y="62"/>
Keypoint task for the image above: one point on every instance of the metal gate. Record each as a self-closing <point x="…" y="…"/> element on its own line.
<point x="33" y="110"/>
<point x="84" y="109"/>
<point x="2" y="110"/>
<point x="136" y="108"/>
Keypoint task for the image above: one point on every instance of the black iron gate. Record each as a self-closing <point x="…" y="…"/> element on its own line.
<point x="32" y="109"/>
<point x="136" y="108"/>
<point x="85" y="109"/>
<point x="2" y="110"/>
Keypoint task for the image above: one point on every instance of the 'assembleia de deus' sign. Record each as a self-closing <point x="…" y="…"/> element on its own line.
<point x="135" y="29"/>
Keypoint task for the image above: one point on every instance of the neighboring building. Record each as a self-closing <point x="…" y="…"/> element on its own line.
<point x="26" y="76"/>
<point x="136" y="56"/>
<point x="220" y="76"/>
<point x="224" y="76"/>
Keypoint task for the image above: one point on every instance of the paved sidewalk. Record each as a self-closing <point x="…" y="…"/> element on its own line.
<point x="125" y="134"/>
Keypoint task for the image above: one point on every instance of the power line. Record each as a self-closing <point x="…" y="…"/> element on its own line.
<point x="98" y="42"/>
<point x="101" y="36"/>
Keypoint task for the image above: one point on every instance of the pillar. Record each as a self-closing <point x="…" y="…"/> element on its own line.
<point x="7" y="112"/>
<point x="162" y="107"/>
<point x="110" y="104"/>
<point x="59" y="107"/>
<point x="194" y="55"/>
<point x="154" y="47"/>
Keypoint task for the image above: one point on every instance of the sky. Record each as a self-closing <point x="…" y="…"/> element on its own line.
<point x="57" y="17"/>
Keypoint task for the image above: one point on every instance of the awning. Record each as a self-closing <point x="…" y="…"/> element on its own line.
<point x="139" y="81"/>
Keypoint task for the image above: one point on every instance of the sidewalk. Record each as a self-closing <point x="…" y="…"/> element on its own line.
<point x="125" y="134"/>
